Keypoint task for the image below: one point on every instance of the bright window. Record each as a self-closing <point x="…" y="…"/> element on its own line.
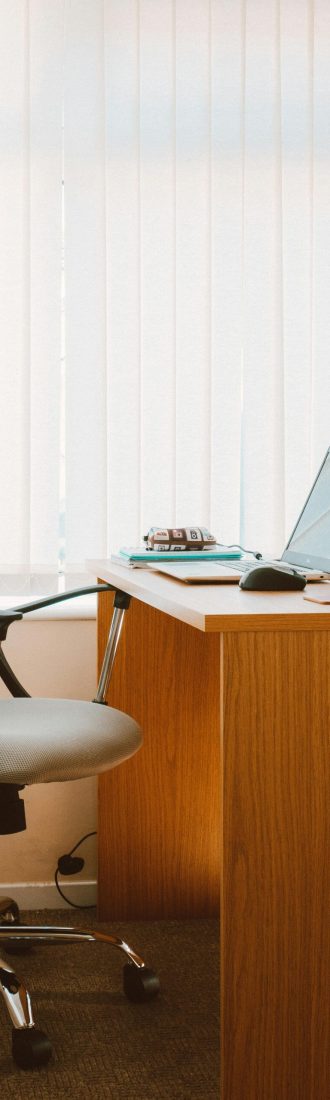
<point x="164" y="266"/>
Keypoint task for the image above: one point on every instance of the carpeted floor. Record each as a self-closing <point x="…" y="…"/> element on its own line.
<point x="105" y="1047"/>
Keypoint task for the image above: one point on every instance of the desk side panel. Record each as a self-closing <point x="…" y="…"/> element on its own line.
<point x="275" y="934"/>
<point x="159" y="813"/>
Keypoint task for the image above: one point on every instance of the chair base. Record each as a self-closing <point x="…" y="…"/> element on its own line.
<point x="32" y="1047"/>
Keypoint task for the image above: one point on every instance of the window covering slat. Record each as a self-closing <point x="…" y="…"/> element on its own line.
<point x="123" y="271"/>
<point x="297" y="231"/>
<point x="157" y="260"/>
<point x="30" y="226"/>
<point x="261" y="363"/>
<point x="192" y="261"/>
<point x="14" y="318"/>
<point x="320" y="402"/>
<point x="44" y="274"/>
<point x="226" y="75"/>
<point x="85" y="287"/>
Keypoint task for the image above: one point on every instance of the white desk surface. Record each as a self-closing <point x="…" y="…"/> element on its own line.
<point x="219" y="607"/>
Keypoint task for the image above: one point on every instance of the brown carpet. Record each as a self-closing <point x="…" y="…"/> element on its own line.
<point x="105" y="1047"/>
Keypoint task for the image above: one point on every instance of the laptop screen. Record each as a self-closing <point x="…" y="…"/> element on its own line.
<point x="309" y="544"/>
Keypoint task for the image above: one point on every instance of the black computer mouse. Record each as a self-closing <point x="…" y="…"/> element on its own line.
<point x="267" y="578"/>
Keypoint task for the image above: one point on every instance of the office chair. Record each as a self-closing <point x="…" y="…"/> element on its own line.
<point x="52" y="740"/>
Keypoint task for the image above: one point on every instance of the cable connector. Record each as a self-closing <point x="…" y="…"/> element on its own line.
<point x="70" y="865"/>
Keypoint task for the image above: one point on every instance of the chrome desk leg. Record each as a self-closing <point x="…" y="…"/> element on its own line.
<point x="121" y="604"/>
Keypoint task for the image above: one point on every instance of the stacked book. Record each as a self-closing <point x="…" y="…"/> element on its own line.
<point x="139" y="557"/>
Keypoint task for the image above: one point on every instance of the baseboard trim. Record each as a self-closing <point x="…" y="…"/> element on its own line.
<point x="44" y="895"/>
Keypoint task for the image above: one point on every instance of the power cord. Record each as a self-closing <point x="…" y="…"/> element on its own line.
<point x="71" y="865"/>
<point x="237" y="546"/>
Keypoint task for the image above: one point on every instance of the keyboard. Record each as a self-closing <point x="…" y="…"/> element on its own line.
<point x="243" y="566"/>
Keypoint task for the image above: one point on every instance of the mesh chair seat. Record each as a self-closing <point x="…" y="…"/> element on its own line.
<point x="47" y="741"/>
<point x="50" y="740"/>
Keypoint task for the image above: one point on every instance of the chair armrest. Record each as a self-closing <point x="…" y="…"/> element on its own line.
<point x="6" y="618"/>
<point x="46" y="601"/>
<point x="121" y="603"/>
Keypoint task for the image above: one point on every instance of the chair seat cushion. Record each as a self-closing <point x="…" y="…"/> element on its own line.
<point x="50" y="740"/>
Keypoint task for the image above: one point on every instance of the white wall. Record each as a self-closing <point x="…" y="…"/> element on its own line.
<point x="54" y="658"/>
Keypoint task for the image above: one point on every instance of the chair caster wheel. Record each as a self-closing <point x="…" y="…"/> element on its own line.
<point x="140" y="983"/>
<point x="30" y="1047"/>
<point x="9" y="911"/>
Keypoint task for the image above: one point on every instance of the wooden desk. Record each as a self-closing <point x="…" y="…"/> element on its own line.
<point x="230" y="797"/>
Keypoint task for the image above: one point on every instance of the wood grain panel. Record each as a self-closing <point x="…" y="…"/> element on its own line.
<point x="275" y="948"/>
<point x="159" y="843"/>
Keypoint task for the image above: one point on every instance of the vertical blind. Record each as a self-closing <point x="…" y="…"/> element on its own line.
<point x="165" y="263"/>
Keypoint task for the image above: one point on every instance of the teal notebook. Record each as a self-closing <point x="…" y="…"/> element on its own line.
<point x="130" y="555"/>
